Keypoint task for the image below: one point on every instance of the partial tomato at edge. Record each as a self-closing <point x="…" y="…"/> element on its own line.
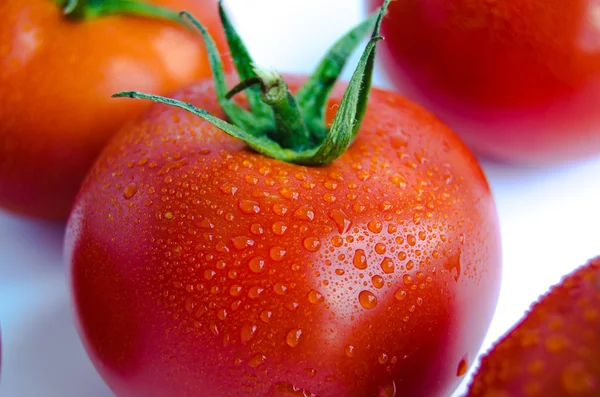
<point x="518" y="80"/>
<point x="56" y="79"/>
<point x="202" y="268"/>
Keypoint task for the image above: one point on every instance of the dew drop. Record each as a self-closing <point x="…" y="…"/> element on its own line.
<point x="304" y="213"/>
<point x="209" y="274"/>
<point x="257" y="264"/>
<point x="407" y="279"/>
<point x="463" y="366"/>
<point x="340" y="272"/>
<point x="377" y="281"/>
<point x="242" y="242"/>
<point x="375" y="226"/>
<point x="360" y="259"/>
<point x="228" y="188"/>
<point x="279" y="228"/>
<point x="576" y="380"/>
<point x="315" y="297"/>
<point x="235" y="290"/>
<point x="380" y="248"/>
<point x="277" y="253"/>
<point x="412" y="240"/>
<point x="387" y="265"/>
<point x="555" y="344"/>
<point x="383" y="358"/>
<point x="222" y="314"/>
<point x="255" y="292"/>
<point x="256" y="229"/>
<point x="247" y="332"/>
<point x="214" y="329"/>
<point x="349" y="351"/>
<point x="293" y="305"/>
<point x="265" y="316"/>
<point x="280" y="289"/>
<point x="249" y="207"/>
<point x="337" y="241"/>
<point x="293" y="337"/>
<point x="387" y="390"/>
<point x="367" y="299"/>
<point x="400" y="294"/>
<point x="312" y="244"/>
<point x="257" y="360"/>
<point x="130" y="190"/>
<point x="342" y="220"/>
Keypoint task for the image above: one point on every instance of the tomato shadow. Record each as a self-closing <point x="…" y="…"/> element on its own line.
<point x="28" y="247"/>
<point x="44" y="356"/>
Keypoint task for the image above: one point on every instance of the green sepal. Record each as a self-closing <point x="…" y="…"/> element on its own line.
<point x="244" y="65"/>
<point x="236" y="114"/>
<point x="312" y="96"/>
<point x="89" y="9"/>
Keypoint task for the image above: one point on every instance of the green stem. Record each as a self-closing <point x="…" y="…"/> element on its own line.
<point x="89" y="9"/>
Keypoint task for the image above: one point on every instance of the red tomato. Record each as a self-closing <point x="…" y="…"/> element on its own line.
<point x="519" y="80"/>
<point x="56" y="79"/>
<point x="200" y="268"/>
<point x="554" y="351"/>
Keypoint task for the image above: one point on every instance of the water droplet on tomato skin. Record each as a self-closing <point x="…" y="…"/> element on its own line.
<point x="375" y="226"/>
<point x="360" y="259"/>
<point x="311" y="244"/>
<point x="279" y="228"/>
<point x="277" y="253"/>
<point x="257" y="264"/>
<point x="304" y="213"/>
<point x="293" y="337"/>
<point x="249" y="207"/>
<point x="387" y="390"/>
<point x="265" y="316"/>
<point x="130" y="190"/>
<point x="257" y="360"/>
<point x="387" y="265"/>
<point x="576" y="379"/>
<point x="247" y="332"/>
<point x="341" y="220"/>
<point x="315" y="297"/>
<point x="367" y="300"/>
<point x="349" y="351"/>
<point x="463" y="366"/>
<point x="377" y="281"/>
<point x="255" y="292"/>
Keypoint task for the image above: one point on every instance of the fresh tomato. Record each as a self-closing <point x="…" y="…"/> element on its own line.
<point x="554" y="351"/>
<point x="201" y="267"/>
<point x="57" y="74"/>
<point x="518" y="80"/>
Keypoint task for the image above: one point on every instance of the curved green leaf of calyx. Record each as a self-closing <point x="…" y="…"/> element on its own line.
<point x="312" y="96"/>
<point x="261" y="144"/>
<point x="244" y="65"/>
<point x="87" y="9"/>
<point x="239" y="116"/>
<point x="350" y="113"/>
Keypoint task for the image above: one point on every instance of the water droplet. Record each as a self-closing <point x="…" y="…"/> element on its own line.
<point x="265" y="316"/>
<point x="255" y="292"/>
<point x="377" y="281"/>
<point x="453" y="265"/>
<point x="249" y="207"/>
<point x="228" y="188"/>
<point x="205" y="224"/>
<point x="400" y="294"/>
<point x="280" y="209"/>
<point x="387" y="390"/>
<point x="349" y="351"/>
<point x="242" y="242"/>
<point x="304" y="213"/>
<point x="407" y="279"/>
<point x="257" y="360"/>
<point x="293" y="337"/>
<point x="337" y="241"/>
<point x="387" y="265"/>
<point x="315" y="297"/>
<point x="375" y="226"/>
<point x="412" y="240"/>
<point x="169" y="215"/>
<point x="555" y="344"/>
<point x="312" y="244"/>
<point x="383" y="358"/>
<point x="360" y="259"/>
<point x="256" y="229"/>
<point x="342" y="220"/>
<point x="235" y="290"/>
<point x="292" y="306"/>
<point x="399" y="181"/>
<point x="257" y="264"/>
<point x="402" y="255"/>
<point x="577" y="380"/>
<point x="280" y="289"/>
<point x="209" y="274"/>
<point x="288" y="193"/>
<point x="380" y="248"/>
<point x="340" y="272"/>
<point x="214" y="329"/>
<point x="367" y="299"/>
<point x="130" y="190"/>
<point x="222" y="314"/>
<point x="463" y="366"/>
<point x="277" y="253"/>
<point x="247" y="332"/>
<point x="279" y="228"/>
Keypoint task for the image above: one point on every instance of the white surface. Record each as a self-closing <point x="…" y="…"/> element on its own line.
<point x="549" y="221"/>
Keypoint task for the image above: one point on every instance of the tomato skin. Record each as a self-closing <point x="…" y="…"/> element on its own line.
<point x="553" y="351"/>
<point x="182" y="241"/>
<point x="56" y="79"/>
<point x="519" y="81"/>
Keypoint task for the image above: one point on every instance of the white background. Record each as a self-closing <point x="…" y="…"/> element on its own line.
<point x="549" y="222"/>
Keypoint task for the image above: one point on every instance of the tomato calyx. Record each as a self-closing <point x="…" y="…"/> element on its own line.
<point x="89" y="9"/>
<point x="281" y="125"/>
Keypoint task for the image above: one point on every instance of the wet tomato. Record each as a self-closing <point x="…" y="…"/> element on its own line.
<point x="203" y="268"/>
<point x="56" y="78"/>
<point x="518" y="80"/>
<point x="554" y="350"/>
